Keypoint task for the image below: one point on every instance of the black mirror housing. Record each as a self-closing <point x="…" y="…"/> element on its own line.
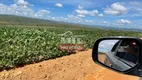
<point x="133" y="70"/>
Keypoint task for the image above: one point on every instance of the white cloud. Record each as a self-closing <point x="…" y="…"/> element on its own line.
<point x="42" y="13"/>
<point x="89" y="21"/>
<point x="85" y="12"/>
<point x="116" y="9"/>
<point x="101" y="15"/>
<point x="80" y="15"/>
<point x="123" y="21"/>
<point x="72" y="17"/>
<point x="22" y="8"/>
<point x="53" y="18"/>
<point x="135" y="7"/>
<point x="15" y="9"/>
<point x="85" y="3"/>
<point x="80" y="7"/>
<point x="105" y="22"/>
<point x="59" y="5"/>
<point x="21" y="2"/>
<point x="134" y="3"/>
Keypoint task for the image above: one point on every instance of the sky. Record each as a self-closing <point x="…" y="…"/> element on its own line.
<point x="111" y="13"/>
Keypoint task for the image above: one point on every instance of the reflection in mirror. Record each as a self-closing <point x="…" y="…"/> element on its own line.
<point x="118" y="54"/>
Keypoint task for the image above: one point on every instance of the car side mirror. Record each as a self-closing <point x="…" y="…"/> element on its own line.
<point x="120" y="54"/>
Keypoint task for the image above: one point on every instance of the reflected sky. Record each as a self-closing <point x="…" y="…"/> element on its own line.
<point x="106" y="45"/>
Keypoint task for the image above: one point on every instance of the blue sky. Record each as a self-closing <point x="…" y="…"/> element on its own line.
<point x="113" y="13"/>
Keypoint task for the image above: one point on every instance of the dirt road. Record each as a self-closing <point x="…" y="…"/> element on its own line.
<point x="73" y="67"/>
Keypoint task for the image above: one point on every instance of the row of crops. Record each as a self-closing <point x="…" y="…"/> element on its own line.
<point x="20" y="46"/>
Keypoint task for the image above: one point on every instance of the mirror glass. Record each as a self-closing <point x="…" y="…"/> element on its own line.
<point x="118" y="54"/>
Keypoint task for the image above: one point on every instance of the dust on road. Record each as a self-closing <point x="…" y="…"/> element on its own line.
<point x="79" y="66"/>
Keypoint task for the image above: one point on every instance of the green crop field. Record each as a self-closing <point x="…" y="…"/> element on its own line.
<point x="20" y="45"/>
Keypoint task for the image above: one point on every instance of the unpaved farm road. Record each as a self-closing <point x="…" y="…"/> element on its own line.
<point x="79" y="66"/>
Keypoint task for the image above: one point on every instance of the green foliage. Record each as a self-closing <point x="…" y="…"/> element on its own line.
<point x="19" y="46"/>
